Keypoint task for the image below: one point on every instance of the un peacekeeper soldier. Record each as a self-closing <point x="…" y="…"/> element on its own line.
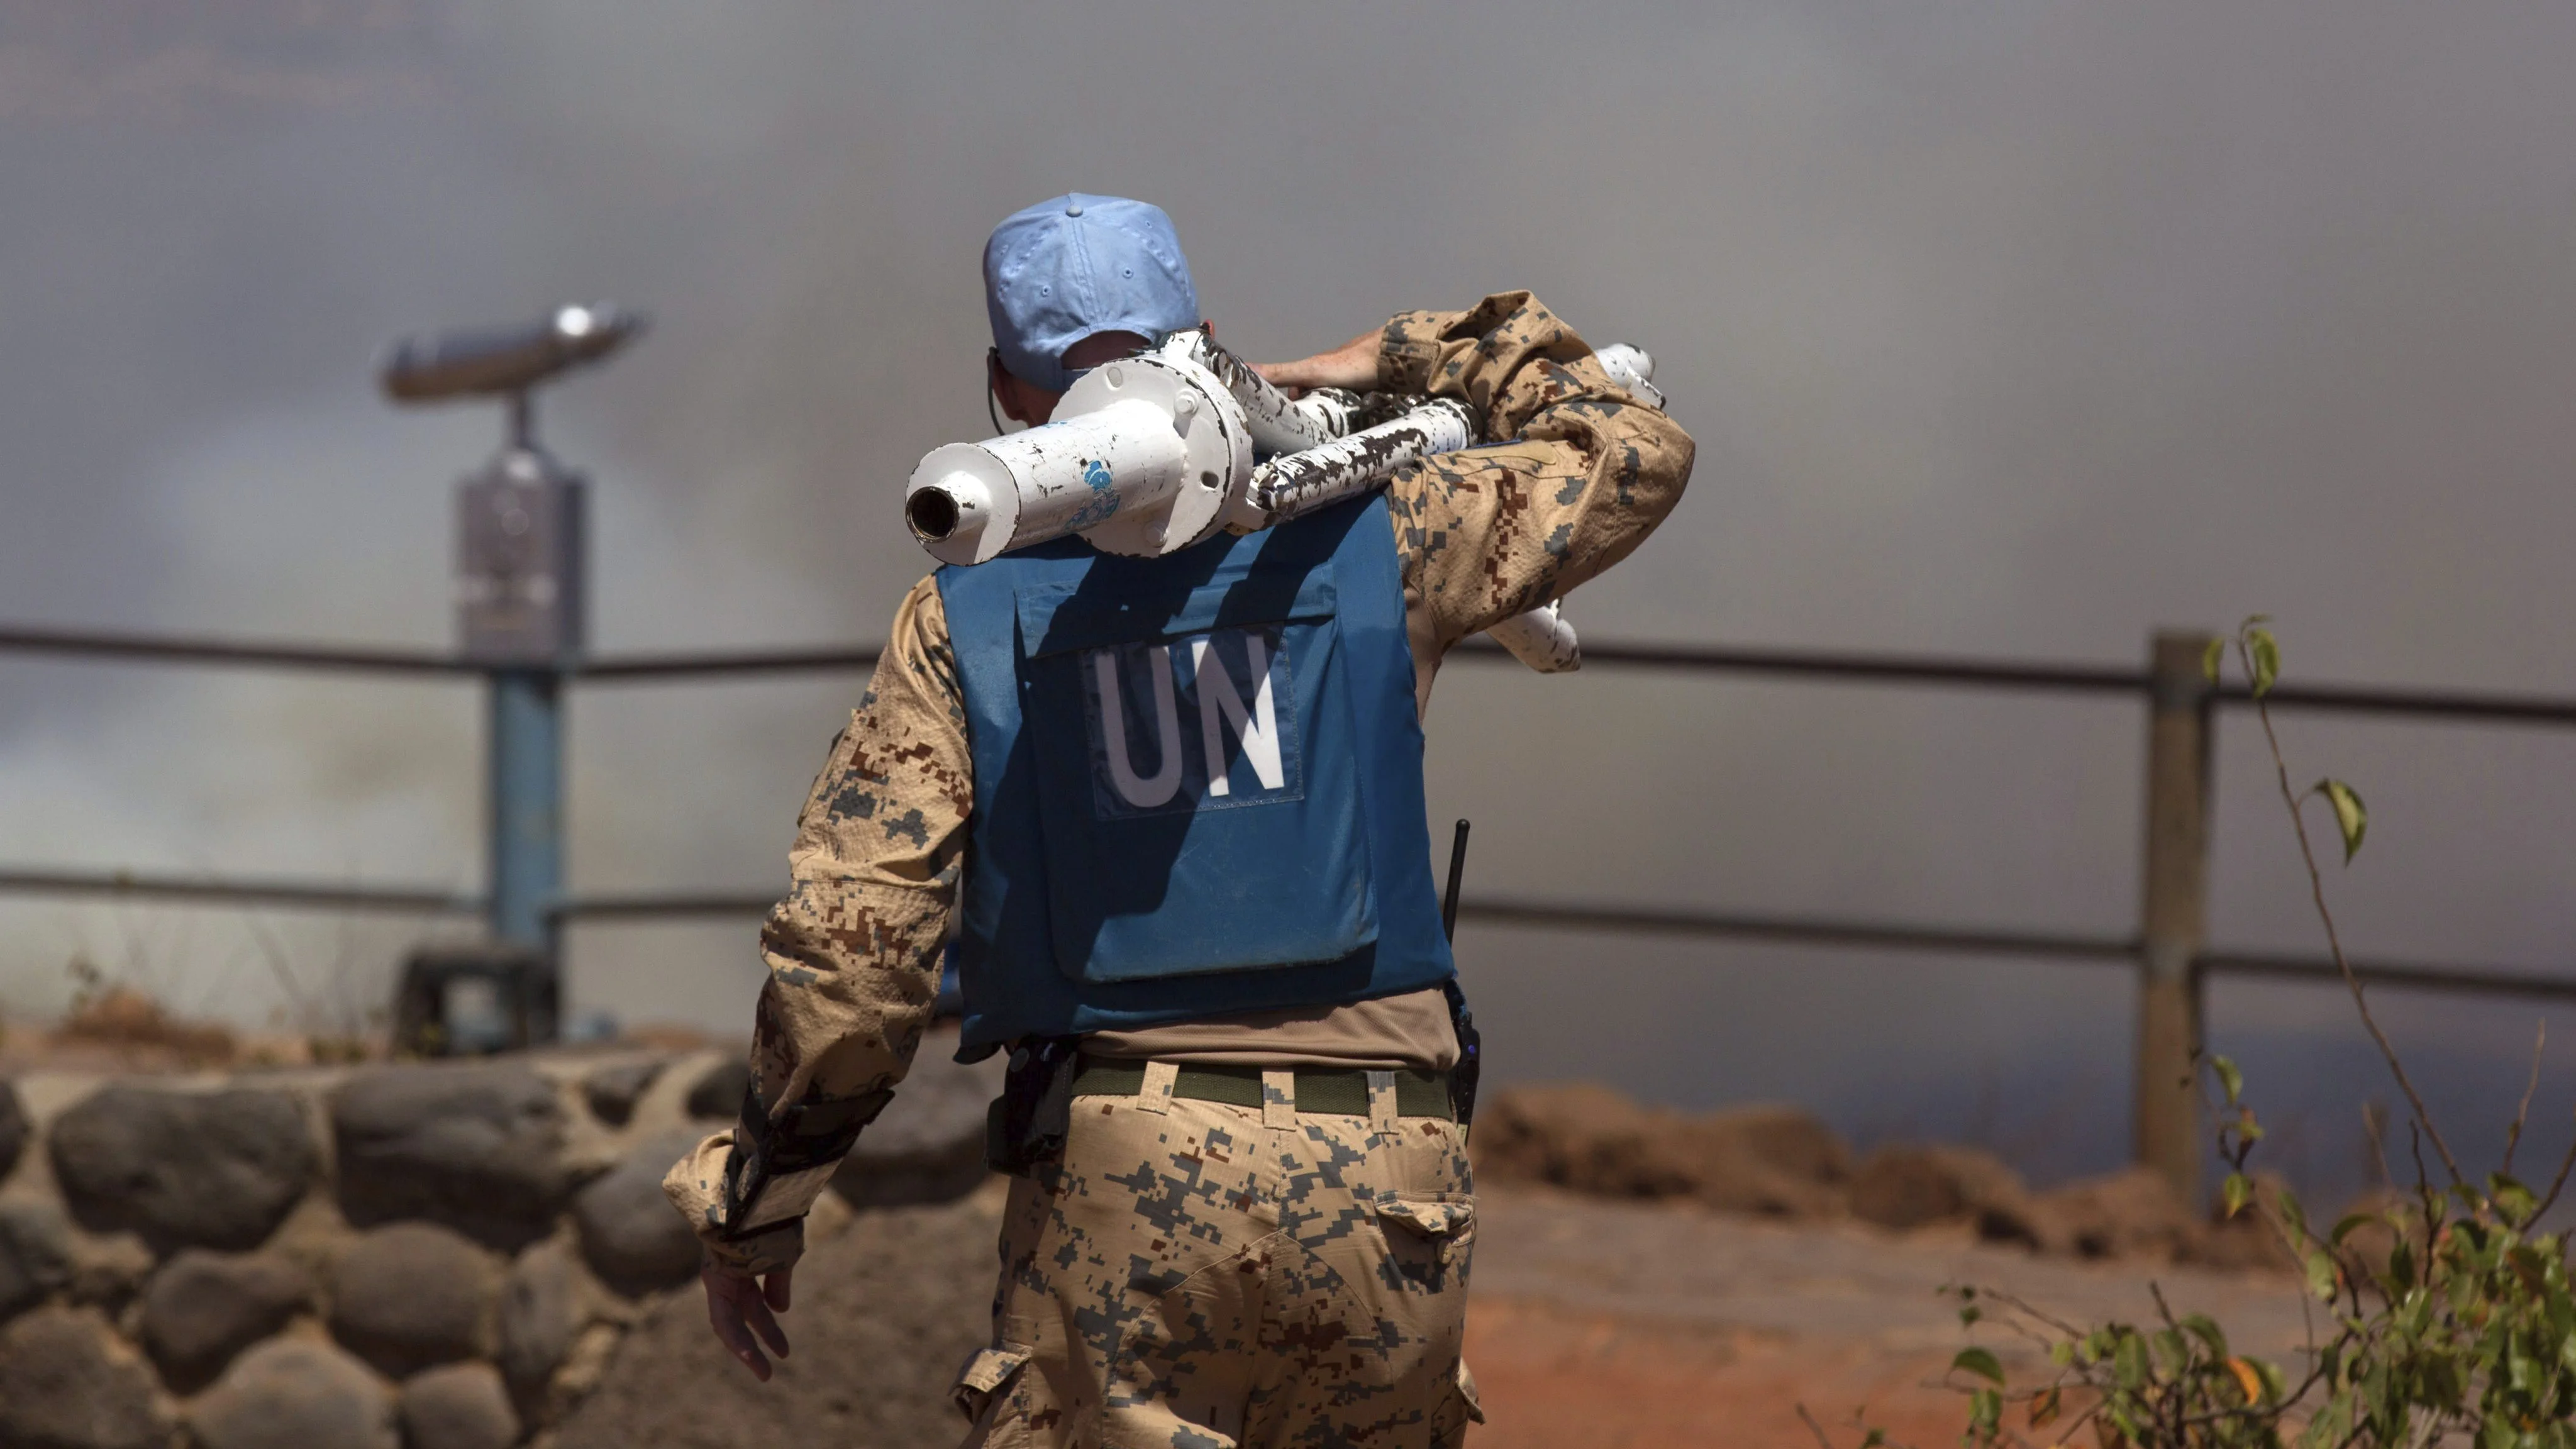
<point x="1221" y="976"/>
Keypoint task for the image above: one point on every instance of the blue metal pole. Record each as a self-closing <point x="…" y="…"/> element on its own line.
<point x="526" y="806"/>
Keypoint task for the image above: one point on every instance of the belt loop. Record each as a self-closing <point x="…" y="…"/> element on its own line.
<point x="1278" y="1099"/>
<point x="1381" y="1090"/>
<point x="1156" y="1095"/>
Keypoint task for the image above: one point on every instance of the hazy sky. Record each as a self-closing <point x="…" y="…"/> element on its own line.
<point x="2009" y="329"/>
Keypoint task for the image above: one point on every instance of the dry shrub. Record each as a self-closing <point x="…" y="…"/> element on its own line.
<point x="128" y="1020"/>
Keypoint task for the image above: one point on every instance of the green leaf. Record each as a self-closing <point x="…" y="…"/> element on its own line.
<point x="2512" y="1199"/>
<point x="1980" y="1362"/>
<point x="1985" y="1412"/>
<point x="2321" y="1275"/>
<point x="2210" y="657"/>
<point x="2331" y="1423"/>
<point x="2238" y="1191"/>
<point x="2205" y="1328"/>
<point x="2293" y="1214"/>
<point x="2129" y="1361"/>
<point x="2229" y="1078"/>
<point x="2345" y="1225"/>
<point x="2350" y="817"/>
<point x="2266" y="653"/>
<point x="1970" y="1314"/>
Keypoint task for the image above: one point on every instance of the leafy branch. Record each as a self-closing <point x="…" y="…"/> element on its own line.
<point x="2261" y="655"/>
<point x="2448" y="1319"/>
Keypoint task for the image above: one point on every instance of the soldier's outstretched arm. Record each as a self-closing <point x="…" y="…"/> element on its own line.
<point x="853" y="955"/>
<point x="1580" y="472"/>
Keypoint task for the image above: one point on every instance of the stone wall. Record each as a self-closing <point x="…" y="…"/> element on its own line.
<point x="439" y="1256"/>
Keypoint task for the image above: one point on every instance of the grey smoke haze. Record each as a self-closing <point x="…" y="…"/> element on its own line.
<point x="2011" y="329"/>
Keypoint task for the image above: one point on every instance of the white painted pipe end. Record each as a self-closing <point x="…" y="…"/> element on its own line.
<point x="955" y="508"/>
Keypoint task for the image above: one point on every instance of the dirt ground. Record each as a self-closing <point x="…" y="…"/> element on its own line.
<point x="886" y="1308"/>
<point x="1604" y="1325"/>
<point x="1596" y="1325"/>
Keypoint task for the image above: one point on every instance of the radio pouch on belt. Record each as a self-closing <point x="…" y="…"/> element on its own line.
<point x="1026" y="1125"/>
<point x="1471" y="1055"/>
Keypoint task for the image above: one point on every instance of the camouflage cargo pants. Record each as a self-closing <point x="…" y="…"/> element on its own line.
<point x="1196" y="1275"/>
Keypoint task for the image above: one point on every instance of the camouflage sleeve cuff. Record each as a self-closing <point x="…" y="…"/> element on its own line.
<point x="773" y="1249"/>
<point x="695" y="1186"/>
<point x="1409" y="349"/>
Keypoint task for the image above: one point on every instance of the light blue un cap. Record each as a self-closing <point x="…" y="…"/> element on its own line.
<point x="1062" y="270"/>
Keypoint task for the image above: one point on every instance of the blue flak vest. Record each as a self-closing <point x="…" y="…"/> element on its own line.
<point x="1198" y="782"/>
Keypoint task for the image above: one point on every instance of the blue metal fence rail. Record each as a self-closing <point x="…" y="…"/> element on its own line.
<point x="1815" y="665"/>
<point x="2169" y="952"/>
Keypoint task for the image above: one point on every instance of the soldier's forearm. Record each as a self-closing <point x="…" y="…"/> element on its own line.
<point x="1578" y="471"/>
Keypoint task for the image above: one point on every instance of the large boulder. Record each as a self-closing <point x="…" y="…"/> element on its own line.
<point x="539" y="1316"/>
<point x="1907" y="1185"/>
<point x="478" y="1148"/>
<point x="293" y="1393"/>
<point x="630" y="1234"/>
<point x="204" y="1308"/>
<point x="66" y="1383"/>
<point x="13" y="1126"/>
<point x="718" y="1092"/>
<point x="462" y="1406"/>
<point x="35" y="1254"/>
<point x="611" y="1091"/>
<point x="928" y="1144"/>
<point x="184" y="1169"/>
<point x="411" y="1296"/>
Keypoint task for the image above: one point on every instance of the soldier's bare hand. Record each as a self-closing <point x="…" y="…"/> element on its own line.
<point x="741" y="1306"/>
<point x="1352" y="365"/>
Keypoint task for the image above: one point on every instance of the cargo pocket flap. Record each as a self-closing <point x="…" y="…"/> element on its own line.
<point x="1433" y="1215"/>
<point x="986" y="1371"/>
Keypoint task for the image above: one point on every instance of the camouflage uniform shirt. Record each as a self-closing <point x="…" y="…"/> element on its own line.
<point x="854" y="950"/>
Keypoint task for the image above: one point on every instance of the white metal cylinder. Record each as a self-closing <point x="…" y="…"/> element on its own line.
<point x="1277" y="425"/>
<point x="1300" y="483"/>
<point x="1633" y="368"/>
<point x="1068" y="476"/>
<point x="1541" y="639"/>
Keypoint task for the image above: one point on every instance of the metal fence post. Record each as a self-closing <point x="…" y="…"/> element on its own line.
<point x="2173" y="916"/>
<point x="523" y="554"/>
<point x="526" y="806"/>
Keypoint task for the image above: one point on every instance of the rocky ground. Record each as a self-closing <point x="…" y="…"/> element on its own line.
<point x="889" y="1303"/>
<point x="317" y="1253"/>
<point x="1596" y="1325"/>
<point x="382" y="1256"/>
<point x="1701" y="1279"/>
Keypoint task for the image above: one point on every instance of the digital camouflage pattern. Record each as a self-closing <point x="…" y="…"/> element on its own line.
<point x="1481" y="535"/>
<point x="1193" y="1277"/>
